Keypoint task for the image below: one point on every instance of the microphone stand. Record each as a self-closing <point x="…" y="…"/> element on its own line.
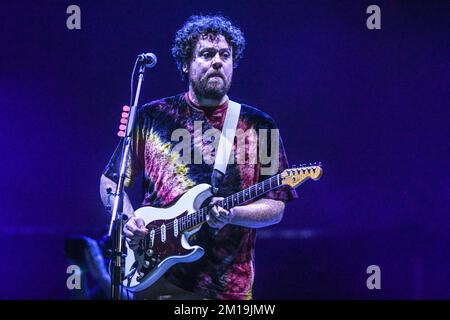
<point x="117" y="217"/>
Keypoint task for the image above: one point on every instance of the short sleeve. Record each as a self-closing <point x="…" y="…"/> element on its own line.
<point x="274" y="161"/>
<point x="135" y="159"/>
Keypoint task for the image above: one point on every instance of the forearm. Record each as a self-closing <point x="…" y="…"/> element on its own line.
<point x="261" y="213"/>
<point x="106" y="183"/>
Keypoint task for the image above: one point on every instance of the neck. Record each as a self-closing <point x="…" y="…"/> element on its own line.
<point x="190" y="220"/>
<point x="205" y="102"/>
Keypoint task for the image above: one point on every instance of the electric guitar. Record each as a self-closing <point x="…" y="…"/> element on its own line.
<point x="170" y="228"/>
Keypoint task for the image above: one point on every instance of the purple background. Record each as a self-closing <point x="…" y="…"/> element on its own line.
<point x="371" y="105"/>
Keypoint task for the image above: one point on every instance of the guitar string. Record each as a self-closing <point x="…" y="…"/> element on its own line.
<point x="267" y="183"/>
<point x="262" y="186"/>
<point x="183" y="220"/>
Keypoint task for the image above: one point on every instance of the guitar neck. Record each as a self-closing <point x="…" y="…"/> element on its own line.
<point x="194" y="219"/>
<point x="251" y="193"/>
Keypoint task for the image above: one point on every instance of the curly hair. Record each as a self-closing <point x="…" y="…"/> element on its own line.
<point x="186" y="38"/>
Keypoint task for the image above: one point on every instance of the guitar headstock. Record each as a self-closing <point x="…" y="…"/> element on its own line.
<point x="297" y="175"/>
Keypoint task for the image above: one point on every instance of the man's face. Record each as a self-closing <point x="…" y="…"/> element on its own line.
<point x="211" y="68"/>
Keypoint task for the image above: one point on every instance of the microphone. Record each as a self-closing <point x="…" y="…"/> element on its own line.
<point x="149" y="59"/>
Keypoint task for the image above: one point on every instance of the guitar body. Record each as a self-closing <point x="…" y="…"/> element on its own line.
<point x="170" y="228"/>
<point x="164" y="247"/>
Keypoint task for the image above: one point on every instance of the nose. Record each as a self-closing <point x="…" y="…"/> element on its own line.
<point x="217" y="62"/>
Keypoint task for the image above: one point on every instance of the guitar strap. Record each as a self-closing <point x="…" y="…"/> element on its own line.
<point x="225" y="145"/>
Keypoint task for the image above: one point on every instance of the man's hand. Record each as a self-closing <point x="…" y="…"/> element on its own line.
<point x="134" y="231"/>
<point x="218" y="217"/>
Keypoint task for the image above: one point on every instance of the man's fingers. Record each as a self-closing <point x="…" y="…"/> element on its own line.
<point x="218" y="217"/>
<point x="131" y="227"/>
<point x="215" y="200"/>
<point x="136" y="224"/>
<point x="140" y="223"/>
<point x="128" y="233"/>
<point x="222" y="214"/>
<point x="215" y="212"/>
<point x="139" y="233"/>
<point x="222" y="219"/>
<point x="212" y="220"/>
<point x="132" y="230"/>
<point x="217" y="222"/>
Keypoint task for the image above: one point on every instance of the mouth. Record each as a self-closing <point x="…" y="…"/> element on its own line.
<point x="215" y="76"/>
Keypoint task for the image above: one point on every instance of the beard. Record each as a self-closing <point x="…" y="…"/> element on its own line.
<point x="211" y="88"/>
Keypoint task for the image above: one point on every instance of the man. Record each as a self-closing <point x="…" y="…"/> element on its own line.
<point x="206" y="49"/>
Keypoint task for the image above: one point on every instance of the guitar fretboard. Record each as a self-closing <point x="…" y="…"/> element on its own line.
<point x="194" y="219"/>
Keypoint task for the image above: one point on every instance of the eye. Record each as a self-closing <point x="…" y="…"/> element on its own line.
<point x="226" y="55"/>
<point x="207" y="54"/>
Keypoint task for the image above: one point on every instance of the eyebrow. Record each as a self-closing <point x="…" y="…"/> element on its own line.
<point x="213" y="48"/>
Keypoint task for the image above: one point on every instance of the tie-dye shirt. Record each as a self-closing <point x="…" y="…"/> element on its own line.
<point x="226" y="271"/>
